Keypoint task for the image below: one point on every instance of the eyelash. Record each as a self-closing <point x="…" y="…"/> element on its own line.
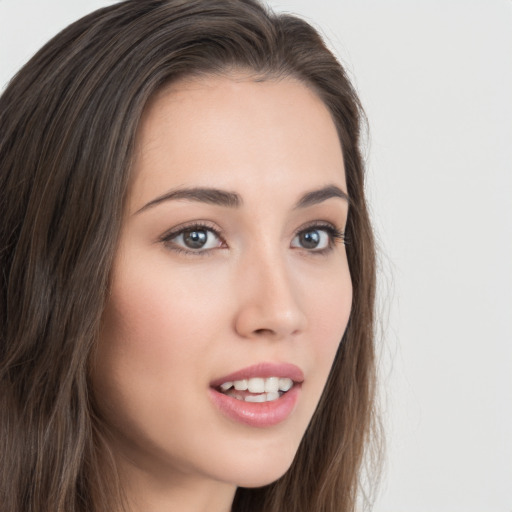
<point x="335" y="236"/>
<point x="167" y="238"/>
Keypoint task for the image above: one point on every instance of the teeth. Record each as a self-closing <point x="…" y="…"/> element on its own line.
<point x="240" y="385"/>
<point x="256" y="385"/>
<point x="273" y="395"/>
<point x="272" y="385"/>
<point x="259" y="385"/>
<point x="263" y="397"/>
<point x="226" y="386"/>
<point x="285" y="384"/>
<point x="256" y="398"/>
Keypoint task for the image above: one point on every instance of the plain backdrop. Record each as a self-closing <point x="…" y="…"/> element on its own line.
<point x="435" y="77"/>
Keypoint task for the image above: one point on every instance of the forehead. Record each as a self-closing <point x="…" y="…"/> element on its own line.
<point x="234" y="132"/>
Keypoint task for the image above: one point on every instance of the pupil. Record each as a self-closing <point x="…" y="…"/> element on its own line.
<point x="310" y="239"/>
<point x="194" y="239"/>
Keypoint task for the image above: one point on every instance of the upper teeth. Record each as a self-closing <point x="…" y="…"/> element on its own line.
<point x="259" y="385"/>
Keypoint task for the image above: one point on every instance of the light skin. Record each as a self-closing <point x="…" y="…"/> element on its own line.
<point x="270" y="284"/>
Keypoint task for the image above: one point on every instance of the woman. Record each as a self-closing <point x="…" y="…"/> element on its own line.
<point x="187" y="267"/>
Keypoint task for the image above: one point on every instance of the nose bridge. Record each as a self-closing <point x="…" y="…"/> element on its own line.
<point x="272" y="276"/>
<point x="270" y="303"/>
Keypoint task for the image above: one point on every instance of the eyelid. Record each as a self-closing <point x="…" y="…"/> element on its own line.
<point x="174" y="232"/>
<point x="319" y="224"/>
<point x="335" y="234"/>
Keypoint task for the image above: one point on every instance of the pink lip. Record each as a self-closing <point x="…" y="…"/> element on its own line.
<point x="265" y="414"/>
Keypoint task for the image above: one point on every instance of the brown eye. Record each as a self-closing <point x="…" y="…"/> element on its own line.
<point x="313" y="239"/>
<point x="310" y="239"/>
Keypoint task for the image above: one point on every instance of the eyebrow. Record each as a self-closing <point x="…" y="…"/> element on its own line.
<point x="200" y="194"/>
<point x="233" y="200"/>
<point x="321" y="195"/>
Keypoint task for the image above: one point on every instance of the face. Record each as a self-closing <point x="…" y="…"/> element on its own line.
<point x="230" y="289"/>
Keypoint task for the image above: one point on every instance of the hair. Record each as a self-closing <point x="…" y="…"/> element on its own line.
<point x="68" y="126"/>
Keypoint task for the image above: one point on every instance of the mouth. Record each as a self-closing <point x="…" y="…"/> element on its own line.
<point x="256" y="389"/>
<point x="261" y="395"/>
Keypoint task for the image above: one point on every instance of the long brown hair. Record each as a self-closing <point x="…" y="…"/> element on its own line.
<point x="68" y="122"/>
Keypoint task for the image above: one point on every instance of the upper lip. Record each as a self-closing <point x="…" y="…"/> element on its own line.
<point x="264" y="370"/>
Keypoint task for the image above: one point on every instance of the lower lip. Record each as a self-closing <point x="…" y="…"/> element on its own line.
<point x="263" y="414"/>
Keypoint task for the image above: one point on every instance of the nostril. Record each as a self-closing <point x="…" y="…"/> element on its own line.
<point x="264" y="332"/>
<point x="260" y="318"/>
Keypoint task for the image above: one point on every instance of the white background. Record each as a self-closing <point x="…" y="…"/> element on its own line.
<point x="435" y="77"/>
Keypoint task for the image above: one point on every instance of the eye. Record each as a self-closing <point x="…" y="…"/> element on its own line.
<point x="312" y="239"/>
<point x="317" y="238"/>
<point x="193" y="239"/>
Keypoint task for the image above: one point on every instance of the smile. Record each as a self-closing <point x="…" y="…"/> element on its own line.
<point x="257" y="389"/>
<point x="260" y="396"/>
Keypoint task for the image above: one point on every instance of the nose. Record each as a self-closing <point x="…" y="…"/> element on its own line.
<point x="269" y="305"/>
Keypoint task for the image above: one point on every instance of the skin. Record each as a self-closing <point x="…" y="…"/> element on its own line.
<point x="178" y="319"/>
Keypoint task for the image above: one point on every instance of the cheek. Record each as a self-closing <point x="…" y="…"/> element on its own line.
<point x="153" y="355"/>
<point x="329" y="308"/>
<point x="325" y="295"/>
<point x="329" y="302"/>
<point x="152" y="335"/>
<point x="152" y="323"/>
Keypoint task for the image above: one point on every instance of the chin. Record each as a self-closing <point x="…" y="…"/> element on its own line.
<point x="261" y="479"/>
<point x="261" y="470"/>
